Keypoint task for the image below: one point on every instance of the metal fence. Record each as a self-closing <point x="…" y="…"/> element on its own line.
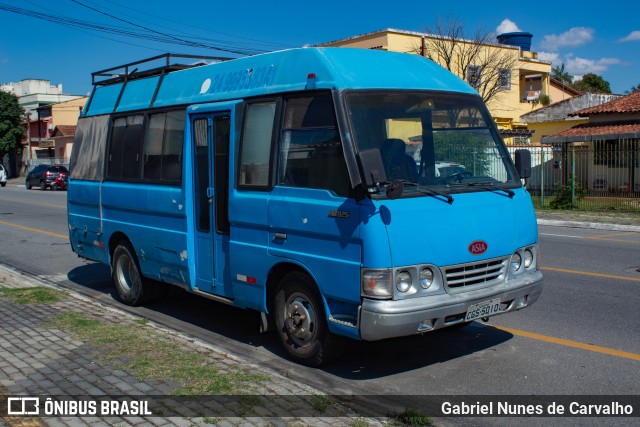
<point x="599" y="175"/>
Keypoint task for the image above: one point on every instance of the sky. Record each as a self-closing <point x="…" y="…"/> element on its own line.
<point x="64" y="41"/>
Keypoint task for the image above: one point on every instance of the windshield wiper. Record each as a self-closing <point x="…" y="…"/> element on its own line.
<point x="394" y="189"/>
<point x="489" y="187"/>
<point x="421" y="188"/>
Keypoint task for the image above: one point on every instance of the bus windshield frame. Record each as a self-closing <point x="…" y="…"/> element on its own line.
<point x="441" y="141"/>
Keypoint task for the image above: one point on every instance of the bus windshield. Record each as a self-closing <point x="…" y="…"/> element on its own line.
<point x="432" y="139"/>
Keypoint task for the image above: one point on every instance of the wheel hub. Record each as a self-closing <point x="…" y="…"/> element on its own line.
<point x="300" y="319"/>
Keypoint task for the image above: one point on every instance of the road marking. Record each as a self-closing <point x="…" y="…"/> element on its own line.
<point x="561" y="235"/>
<point x="36" y="230"/>
<point x="599" y="237"/>
<point x="48" y="205"/>
<point x="569" y="343"/>
<point x="587" y="273"/>
<point x="630" y="233"/>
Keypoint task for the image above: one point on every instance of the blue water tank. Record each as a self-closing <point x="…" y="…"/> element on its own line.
<point x="520" y="39"/>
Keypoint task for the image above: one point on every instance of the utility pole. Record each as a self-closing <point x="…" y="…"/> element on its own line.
<point x="29" y="137"/>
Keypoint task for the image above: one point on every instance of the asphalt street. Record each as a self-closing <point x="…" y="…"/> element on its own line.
<point x="581" y="338"/>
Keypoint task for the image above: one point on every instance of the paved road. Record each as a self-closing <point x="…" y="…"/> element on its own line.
<point x="580" y="338"/>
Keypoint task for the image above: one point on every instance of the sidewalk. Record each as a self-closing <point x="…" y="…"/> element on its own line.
<point x="57" y="344"/>
<point x="606" y="220"/>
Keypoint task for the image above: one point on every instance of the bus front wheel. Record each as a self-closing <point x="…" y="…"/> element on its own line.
<point x="301" y="322"/>
<point x="125" y="272"/>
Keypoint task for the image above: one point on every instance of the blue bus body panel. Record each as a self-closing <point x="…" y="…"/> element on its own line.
<point x="85" y="232"/>
<point x="327" y="246"/>
<point x="370" y="69"/>
<point x="153" y="217"/>
<point x="428" y="230"/>
<point x="249" y="243"/>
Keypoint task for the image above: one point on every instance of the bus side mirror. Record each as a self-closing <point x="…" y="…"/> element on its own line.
<point x="372" y="167"/>
<point x="523" y="163"/>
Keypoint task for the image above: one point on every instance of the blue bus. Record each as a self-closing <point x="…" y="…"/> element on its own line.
<point x="302" y="184"/>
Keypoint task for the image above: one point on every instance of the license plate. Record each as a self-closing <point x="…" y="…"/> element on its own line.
<point x="483" y="309"/>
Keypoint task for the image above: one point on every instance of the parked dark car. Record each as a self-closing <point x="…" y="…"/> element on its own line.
<point x="43" y="176"/>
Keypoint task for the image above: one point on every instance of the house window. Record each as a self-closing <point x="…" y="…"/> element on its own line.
<point x="473" y="75"/>
<point x="504" y="78"/>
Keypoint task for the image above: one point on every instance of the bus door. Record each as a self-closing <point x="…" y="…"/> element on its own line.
<point x="210" y="137"/>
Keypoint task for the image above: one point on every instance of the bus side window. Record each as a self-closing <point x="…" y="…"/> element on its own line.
<point x="255" y="151"/>
<point x="162" y="154"/>
<point x="126" y="137"/>
<point x="311" y="153"/>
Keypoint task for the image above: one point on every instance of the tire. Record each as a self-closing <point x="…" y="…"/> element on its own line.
<point x="4" y="184"/>
<point x="301" y="322"/>
<point x="28" y="184"/>
<point x="126" y="275"/>
<point x="43" y="185"/>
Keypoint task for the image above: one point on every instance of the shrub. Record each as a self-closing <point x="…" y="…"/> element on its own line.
<point x="563" y="199"/>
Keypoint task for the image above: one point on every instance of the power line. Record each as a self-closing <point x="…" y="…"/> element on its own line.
<point x="150" y="35"/>
<point x="253" y="41"/>
<point x="178" y="39"/>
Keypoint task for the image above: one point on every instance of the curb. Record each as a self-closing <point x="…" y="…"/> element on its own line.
<point x="589" y="225"/>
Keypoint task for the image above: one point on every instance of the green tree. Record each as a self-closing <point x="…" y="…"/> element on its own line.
<point x="592" y="83"/>
<point x="559" y="73"/>
<point x="11" y="127"/>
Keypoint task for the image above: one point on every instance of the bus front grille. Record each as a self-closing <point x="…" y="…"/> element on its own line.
<point x="472" y="275"/>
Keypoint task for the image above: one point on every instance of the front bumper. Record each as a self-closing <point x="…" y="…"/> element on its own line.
<point x="380" y="319"/>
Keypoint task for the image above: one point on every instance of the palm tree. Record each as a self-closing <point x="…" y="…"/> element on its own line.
<point x="559" y="73"/>
<point x="633" y="89"/>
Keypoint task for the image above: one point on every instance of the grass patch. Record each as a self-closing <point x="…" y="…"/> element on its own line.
<point x="411" y="417"/>
<point x="149" y="357"/>
<point x="320" y="403"/>
<point x="358" y="423"/>
<point x="37" y="295"/>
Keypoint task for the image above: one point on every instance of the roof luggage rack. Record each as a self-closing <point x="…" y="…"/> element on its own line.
<point x="155" y="66"/>
<point x="160" y="64"/>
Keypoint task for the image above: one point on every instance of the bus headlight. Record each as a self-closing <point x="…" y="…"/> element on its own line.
<point x="403" y="281"/>
<point x="516" y="262"/>
<point x="528" y="258"/>
<point x="426" y="277"/>
<point x="376" y="283"/>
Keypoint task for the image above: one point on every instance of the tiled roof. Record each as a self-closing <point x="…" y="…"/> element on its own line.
<point x="593" y="130"/>
<point x="626" y="104"/>
<point x="564" y="87"/>
<point x="64" y="130"/>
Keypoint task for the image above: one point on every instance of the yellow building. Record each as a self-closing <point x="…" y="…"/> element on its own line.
<point x="517" y="87"/>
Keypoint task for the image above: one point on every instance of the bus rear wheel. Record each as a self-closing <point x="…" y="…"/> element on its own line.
<point x="125" y="272"/>
<point x="301" y="322"/>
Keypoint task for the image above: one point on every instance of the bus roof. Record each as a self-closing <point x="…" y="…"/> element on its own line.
<point x="276" y="72"/>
